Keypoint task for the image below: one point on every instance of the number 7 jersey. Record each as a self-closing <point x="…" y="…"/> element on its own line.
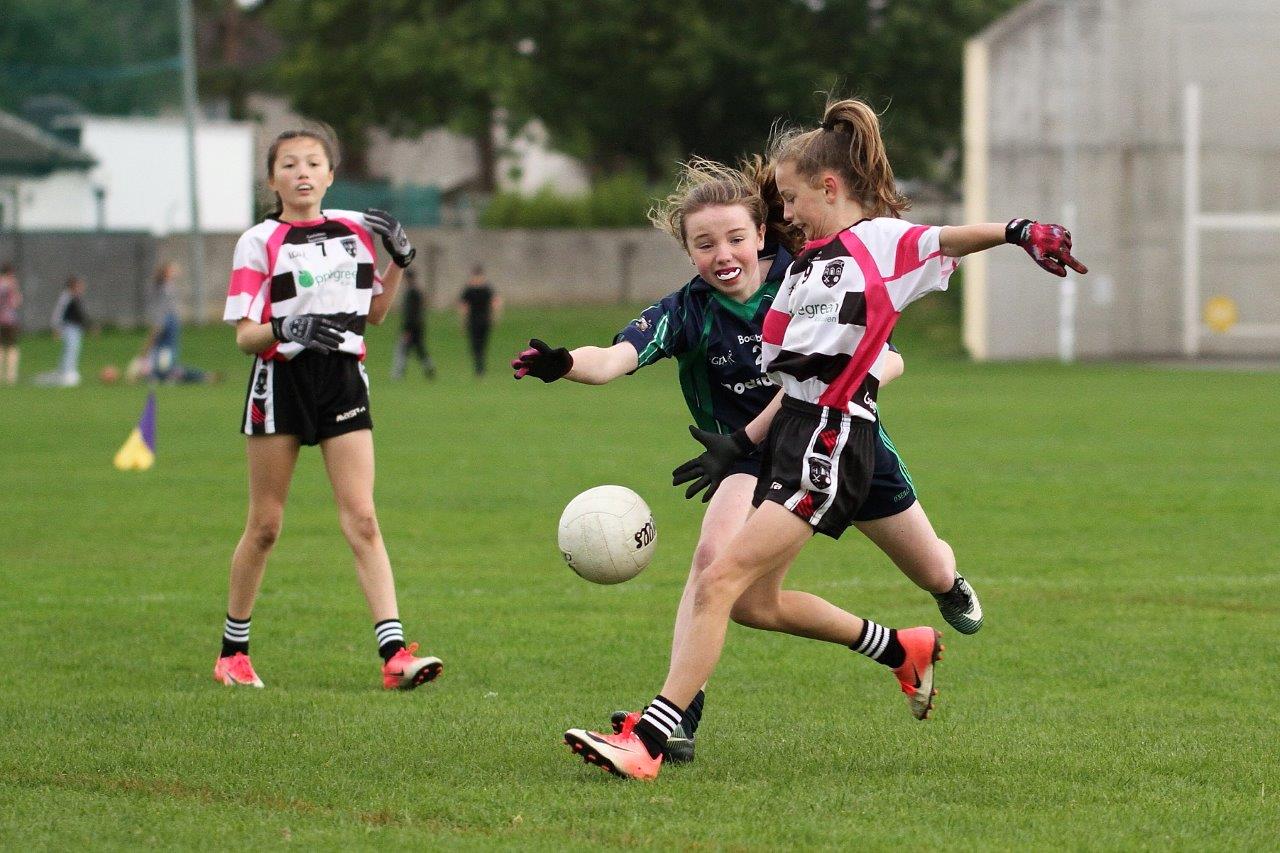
<point x="324" y="266"/>
<point x="826" y="336"/>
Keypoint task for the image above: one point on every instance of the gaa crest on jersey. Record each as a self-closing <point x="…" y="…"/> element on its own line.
<point x="641" y="323"/>
<point x="820" y="472"/>
<point x="349" y="243"/>
<point x="832" y="272"/>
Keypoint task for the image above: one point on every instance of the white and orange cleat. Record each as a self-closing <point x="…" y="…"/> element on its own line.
<point x="623" y="755"/>
<point x="405" y="672"/>
<point x="236" y="670"/>
<point x="924" y="648"/>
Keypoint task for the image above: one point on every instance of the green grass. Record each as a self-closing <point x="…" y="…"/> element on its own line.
<point x="1119" y="521"/>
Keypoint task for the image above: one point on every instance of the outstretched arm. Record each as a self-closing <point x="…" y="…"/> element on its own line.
<point x="1049" y="245"/>
<point x="588" y="365"/>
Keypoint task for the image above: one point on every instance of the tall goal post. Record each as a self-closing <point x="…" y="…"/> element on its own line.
<point x="1196" y="222"/>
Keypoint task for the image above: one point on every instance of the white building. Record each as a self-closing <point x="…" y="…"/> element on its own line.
<point x="44" y="181"/>
<point x="132" y="175"/>
<point x="143" y="168"/>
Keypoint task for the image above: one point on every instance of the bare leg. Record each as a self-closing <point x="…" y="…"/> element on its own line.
<point x="271" y="462"/>
<point x="725" y="515"/>
<point x="348" y="459"/>
<point x="769" y="607"/>
<point x="909" y="540"/>
<point x="768" y="544"/>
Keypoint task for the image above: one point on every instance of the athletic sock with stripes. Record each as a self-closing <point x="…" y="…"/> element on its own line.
<point x="390" y="635"/>
<point x="880" y="644"/>
<point x="657" y="723"/>
<point x="235" y="636"/>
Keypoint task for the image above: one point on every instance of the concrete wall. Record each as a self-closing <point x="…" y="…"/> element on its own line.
<point x="116" y="269"/>
<point x="1105" y="79"/>
<point x="528" y="267"/>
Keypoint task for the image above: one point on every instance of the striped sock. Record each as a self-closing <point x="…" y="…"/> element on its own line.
<point x="657" y="723"/>
<point x="390" y="635"/>
<point x="880" y="644"/>
<point x="235" y="636"/>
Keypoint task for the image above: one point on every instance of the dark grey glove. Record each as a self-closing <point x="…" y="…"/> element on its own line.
<point x="313" y="331"/>
<point x="712" y="467"/>
<point x="394" y="240"/>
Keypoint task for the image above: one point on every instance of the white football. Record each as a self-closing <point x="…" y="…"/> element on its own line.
<point x="607" y="535"/>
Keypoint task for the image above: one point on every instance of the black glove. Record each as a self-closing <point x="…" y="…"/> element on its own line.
<point x="394" y="240"/>
<point x="313" y="331"/>
<point x="712" y="467"/>
<point x="542" y="361"/>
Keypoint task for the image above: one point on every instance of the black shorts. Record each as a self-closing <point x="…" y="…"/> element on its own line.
<point x="818" y="463"/>
<point x="891" y="489"/>
<point x="312" y="396"/>
<point x="9" y="335"/>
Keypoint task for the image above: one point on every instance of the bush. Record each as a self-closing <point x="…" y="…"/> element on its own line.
<point x="621" y="201"/>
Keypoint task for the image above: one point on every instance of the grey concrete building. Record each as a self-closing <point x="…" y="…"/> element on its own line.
<point x="1077" y="111"/>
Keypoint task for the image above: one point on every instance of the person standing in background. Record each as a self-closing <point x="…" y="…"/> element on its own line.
<point x="10" y="329"/>
<point x="413" y="330"/>
<point x="69" y="321"/>
<point x="480" y="307"/>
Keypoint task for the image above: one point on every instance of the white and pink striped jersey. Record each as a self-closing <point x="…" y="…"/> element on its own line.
<point x="826" y="336"/>
<point x="323" y="266"/>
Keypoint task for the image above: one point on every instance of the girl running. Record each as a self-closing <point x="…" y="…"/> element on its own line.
<point x="824" y="344"/>
<point x="712" y="327"/>
<point x="304" y="286"/>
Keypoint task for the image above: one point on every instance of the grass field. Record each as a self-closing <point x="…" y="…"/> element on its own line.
<point x="1120" y="523"/>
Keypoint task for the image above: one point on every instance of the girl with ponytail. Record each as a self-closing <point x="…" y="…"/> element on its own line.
<point x="826" y="344"/>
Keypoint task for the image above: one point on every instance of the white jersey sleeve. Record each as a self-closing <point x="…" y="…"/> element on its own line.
<point x="909" y="258"/>
<point x="248" y="290"/>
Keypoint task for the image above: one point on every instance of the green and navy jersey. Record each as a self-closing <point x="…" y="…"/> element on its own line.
<point x="716" y="344"/>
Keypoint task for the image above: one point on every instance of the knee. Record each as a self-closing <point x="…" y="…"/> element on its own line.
<point x="263" y="530"/>
<point x="718" y="584"/>
<point x="704" y="555"/>
<point x="361" y="526"/>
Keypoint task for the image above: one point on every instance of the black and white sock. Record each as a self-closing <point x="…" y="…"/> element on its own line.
<point x="880" y="644"/>
<point x="657" y="723"/>
<point x="235" y="636"/>
<point x="390" y="635"/>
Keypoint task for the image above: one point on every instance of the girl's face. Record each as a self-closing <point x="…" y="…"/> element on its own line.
<point x="301" y="174"/>
<point x="809" y="206"/>
<point x="724" y="243"/>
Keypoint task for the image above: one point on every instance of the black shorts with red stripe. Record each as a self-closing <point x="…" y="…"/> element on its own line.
<point x="818" y="463"/>
<point x="312" y="396"/>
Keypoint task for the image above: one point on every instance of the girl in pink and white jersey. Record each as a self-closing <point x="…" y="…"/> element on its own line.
<point x="825" y="344"/>
<point x="303" y="288"/>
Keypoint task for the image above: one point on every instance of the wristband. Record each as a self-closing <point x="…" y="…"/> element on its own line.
<point x="1016" y="231"/>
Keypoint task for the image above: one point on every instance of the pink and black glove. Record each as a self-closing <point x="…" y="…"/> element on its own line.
<point x="542" y="361"/>
<point x="1048" y="245"/>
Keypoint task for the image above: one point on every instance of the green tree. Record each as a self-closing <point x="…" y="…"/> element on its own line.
<point x="405" y="65"/>
<point x="628" y="85"/>
<point x="112" y="56"/>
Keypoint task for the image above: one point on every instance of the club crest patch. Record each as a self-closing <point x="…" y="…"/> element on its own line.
<point x="349" y="243"/>
<point x="832" y="272"/>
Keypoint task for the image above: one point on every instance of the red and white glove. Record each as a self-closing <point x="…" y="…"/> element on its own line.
<point x="1048" y="245"/>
